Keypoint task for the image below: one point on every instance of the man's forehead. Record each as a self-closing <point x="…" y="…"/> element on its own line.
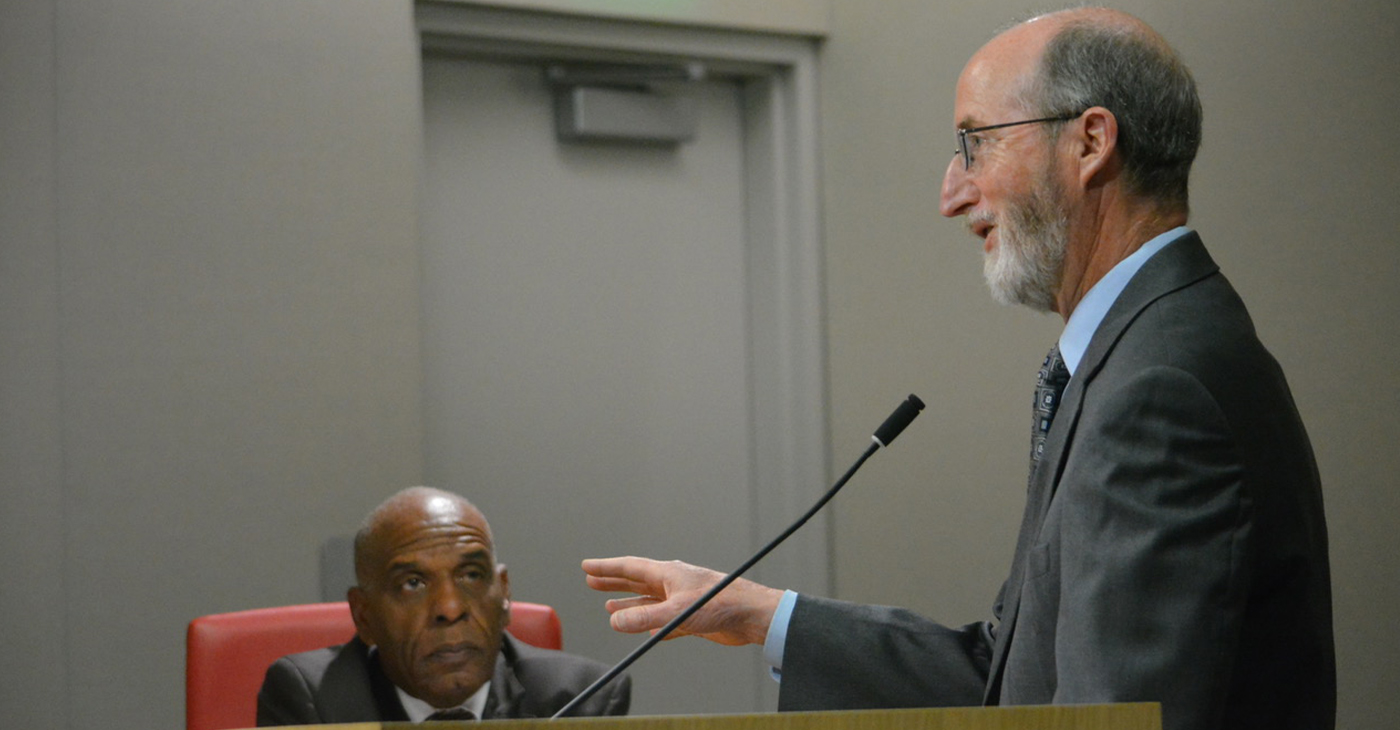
<point x="984" y="96"/>
<point x="989" y="84"/>
<point x="432" y="523"/>
<point x="442" y="533"/>
<point x="438" y="526"/>
<point x="979" y="97"/>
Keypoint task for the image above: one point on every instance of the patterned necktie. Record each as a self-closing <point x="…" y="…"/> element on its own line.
<point x="457" y="714"/>
<point x="1049" y="386"/>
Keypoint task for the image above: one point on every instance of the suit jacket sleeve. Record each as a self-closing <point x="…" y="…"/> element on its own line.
<point x="843" y="655"/>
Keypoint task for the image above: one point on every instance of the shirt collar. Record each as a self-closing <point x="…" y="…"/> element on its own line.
<point x="418" y="710"/>
<point x="1089" y="313"/>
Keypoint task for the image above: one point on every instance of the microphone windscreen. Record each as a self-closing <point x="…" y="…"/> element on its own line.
<point x="898" y="420"/>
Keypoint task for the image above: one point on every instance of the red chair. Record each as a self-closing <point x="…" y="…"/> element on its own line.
<point x="226" y="654"/>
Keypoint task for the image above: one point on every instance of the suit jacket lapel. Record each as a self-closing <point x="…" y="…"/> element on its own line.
<point x="1038" y="496"/>
<point x="507" y="694"/>
<point x="1178" y="265"/>
<point x="1040" y="491"/>
<point x="386" y="698"/>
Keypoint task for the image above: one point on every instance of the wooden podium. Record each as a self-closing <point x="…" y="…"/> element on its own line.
<point x="1127" y="716"/>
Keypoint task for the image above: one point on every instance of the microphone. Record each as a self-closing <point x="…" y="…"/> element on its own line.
<point x="895" y="424"/>
<point x="899" y="420"/>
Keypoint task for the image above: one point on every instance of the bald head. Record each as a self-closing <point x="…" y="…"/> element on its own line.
<point x="377" y="535"/>
<point x="1108" y="18"/>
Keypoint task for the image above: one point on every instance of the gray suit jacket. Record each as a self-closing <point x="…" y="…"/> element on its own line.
<point x="1173" y="547"/>
<point x="345" y="684"/>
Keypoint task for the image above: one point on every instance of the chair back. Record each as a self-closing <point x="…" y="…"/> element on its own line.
<point x="227" y="654"/>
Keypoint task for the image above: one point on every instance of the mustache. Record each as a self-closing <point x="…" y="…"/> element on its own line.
<point x="972" y="220"/>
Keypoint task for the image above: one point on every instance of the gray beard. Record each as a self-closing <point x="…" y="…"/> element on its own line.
<point x="1028" y="264"/>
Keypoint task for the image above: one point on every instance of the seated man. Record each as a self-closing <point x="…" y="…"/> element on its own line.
<point x="430" y="610"/>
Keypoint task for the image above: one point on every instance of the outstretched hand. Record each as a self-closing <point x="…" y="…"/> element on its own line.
<point x="740" y="614"/>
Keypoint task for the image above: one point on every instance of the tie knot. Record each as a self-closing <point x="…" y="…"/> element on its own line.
<point x="456" y="714"/>
<point x="1053" y="372"/>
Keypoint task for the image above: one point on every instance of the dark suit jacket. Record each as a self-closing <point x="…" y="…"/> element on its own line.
<point x="345" y="684"/>
<point x="1173" y="547"/>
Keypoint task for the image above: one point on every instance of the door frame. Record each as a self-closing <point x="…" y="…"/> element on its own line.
<point x="787" y="355"/>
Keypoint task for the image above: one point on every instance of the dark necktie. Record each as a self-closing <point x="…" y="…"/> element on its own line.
<point x="457" y="714"/>
<point x="1049" y="386"/>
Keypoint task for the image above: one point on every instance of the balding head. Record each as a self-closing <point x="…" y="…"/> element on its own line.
<point x="414" y="504"/>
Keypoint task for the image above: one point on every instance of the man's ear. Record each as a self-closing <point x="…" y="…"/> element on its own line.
<point x="1096" y="146"/>
<point x="503" y="576"/>
<point x="359" y="613"/>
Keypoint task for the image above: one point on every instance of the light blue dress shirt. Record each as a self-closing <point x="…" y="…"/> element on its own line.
<point x="1074" y="340"/>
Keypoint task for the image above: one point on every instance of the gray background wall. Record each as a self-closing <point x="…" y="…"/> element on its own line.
<point x="209" y="311"/>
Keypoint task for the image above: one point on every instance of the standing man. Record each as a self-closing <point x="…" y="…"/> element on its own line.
<point x="430" y="609"/>
<point x="1173" y="547"/>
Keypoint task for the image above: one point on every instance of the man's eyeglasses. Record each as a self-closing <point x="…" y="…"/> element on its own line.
<point x="966" y="151"/>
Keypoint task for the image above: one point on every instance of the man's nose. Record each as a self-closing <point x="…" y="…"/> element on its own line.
<point x="449" y="605"/>
<point x="958" y="194"/>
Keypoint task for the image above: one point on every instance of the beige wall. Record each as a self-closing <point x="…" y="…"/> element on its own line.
<point x="208" y="340"/>
<point x="208" y="311"/>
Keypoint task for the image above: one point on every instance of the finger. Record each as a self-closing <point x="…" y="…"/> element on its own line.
<point x="644" y="570"/>
<point x="616" y="585"/>
<point x="622" y="604"/>
<point x="605" y="566"/>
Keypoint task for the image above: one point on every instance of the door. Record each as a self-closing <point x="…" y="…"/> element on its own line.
<point x="586" y="345"/>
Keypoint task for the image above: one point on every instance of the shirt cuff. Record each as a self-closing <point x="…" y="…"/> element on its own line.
<point x="776" y="642"/>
